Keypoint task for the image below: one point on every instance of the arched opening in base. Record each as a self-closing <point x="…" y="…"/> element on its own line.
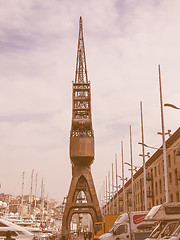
<point x="81" y="224"/>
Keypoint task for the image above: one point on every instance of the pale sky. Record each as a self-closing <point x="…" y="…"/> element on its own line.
<point x="125" y="40"/>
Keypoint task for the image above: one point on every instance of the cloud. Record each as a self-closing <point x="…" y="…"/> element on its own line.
<point x="124" y="41"/>
<point x="25" y="118"/>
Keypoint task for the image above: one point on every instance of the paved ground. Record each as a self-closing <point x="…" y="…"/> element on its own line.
<point x="80" y="237"/>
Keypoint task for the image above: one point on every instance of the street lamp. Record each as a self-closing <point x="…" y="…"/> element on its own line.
<point x="143" y="155"/>
<point x="167" y="133"/>
<point x="132" y="178"/>
<point x="163" y="140"/>
<point x="171" y="105"/>
<point x="134" y="168"/>
<point x="106" y="195"/>
<point x="146" y="155"/>
<point x="123" y="179"/>
<point x="117" y="198"/>
<point x="163" y="135"/>
<point x="109" y="192"/>
<point x="144" y="173"/>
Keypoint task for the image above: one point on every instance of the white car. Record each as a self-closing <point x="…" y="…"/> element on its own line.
<point x="37" y="232"/>
<point x="174" y="236"/>
<point x="17" y="231"/>
<point x="164" y="229"/>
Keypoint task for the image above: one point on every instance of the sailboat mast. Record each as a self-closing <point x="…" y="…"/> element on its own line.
<point x="35" y="194"/>
<point x="32" y="174"/>
<point x="42" y="200"/>
<point x="22" y="195"/>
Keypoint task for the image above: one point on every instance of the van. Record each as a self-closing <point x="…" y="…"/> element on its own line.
<point x="131" y="226"/>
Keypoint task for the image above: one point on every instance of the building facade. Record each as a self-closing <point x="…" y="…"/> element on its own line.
<point x="154" y="181"/>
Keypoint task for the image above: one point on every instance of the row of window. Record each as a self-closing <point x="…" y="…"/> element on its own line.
<point x="158" y="189"/>
<point x="170" y="181"/>
<point x="169" y="164"/>
<point x="138" y="185"/>
<point x="175" y="197"/>
<point x="157" y="169"/>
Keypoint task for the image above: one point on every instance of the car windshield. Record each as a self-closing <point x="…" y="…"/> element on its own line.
<point x="157" y="230"/>
<point x="111" y="229"/>
<point x="169" y="229"/>
<point x="20" y="232"/>
<point x="176" y="232"/>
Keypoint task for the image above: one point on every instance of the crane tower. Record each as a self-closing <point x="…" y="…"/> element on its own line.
<point x="81" y="145"/>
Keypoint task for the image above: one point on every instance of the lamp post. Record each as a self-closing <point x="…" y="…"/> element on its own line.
<point x="112" y="190"/>
<point x="144" y="163"/>
<point x="117" y="197"/>
<point x="104" y="194"/>
<point x="101" y="198"/>
<point x="109" y="192"/>
<point x="163" y="140"/>
<point x="132" y="178"/>
<point x="123" y="177"/>
<point x="132" y="168"/>
<point x="106" y="198"/>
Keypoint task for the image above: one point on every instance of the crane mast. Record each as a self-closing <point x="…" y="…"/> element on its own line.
<point x="81" y="145"/>
<point x="81" y="135"/>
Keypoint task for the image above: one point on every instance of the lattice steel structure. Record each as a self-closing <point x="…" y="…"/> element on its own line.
<point x="81" y="145"/>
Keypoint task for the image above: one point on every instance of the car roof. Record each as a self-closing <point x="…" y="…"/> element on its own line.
<point x="14" y="227"/>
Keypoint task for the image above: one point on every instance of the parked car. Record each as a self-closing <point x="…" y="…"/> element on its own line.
<point x="175" y="235"/>
<point x="37" y="232"/>
<point x="168" y="214"/>
<point x="17" y="231"/>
